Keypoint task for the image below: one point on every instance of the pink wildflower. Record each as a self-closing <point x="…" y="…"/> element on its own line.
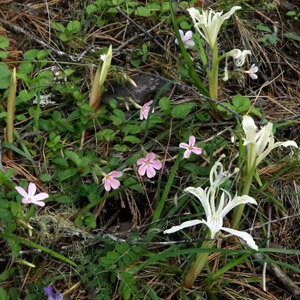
<point x="149" y="165"/>
<point x="110" y="180"/>
<point x="30" y="197"/>
<point x="190" y="147"/>
<point x="252" y="71"/>
<point x="145" y="109"/>
<point x="186" y="38"/>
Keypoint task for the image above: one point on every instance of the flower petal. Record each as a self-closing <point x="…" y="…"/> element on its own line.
<point x="150" y="156"/>
<point x="184" y="146"/>
<point x="156" y="164"/>
<point x="244" y="235"/>
<point x="203" y="197"/>
<point x="142" y="169"/>
<point x="40" y="196"/>
<point x="141" y="161"/>
<point x="187" y="153"/>
<point x="116" y="174"/>
<point x="188" y="35"/>
<point x="31" y="189"/>
<point x="192" y="141"/>
<point x="39" y="203"/>
<point x="190" y="43"/>
<point x="25" y="201"/>
<point x="183" y="225"/>
<point x="107" y="186"/>
<point x="114" y="183"/>
<point x="150" y="171"/>
<point x="21" y="191"/>
<point x="197" y="150"/>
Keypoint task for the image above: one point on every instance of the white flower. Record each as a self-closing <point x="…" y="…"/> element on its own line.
<point x="208" y="23"/>
<point x="215" y="214"/>
<point x="186" y="38"/>
<point x="252" y="71"/>
<point x="260" y="143"/>
<point x="238" y="56"/>
<point x="103" y="57"/>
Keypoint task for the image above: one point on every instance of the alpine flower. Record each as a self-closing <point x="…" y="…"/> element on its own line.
<point x="260" y="142"/>
<point x="145" y="109"/>
<point x="190" y="147"/>
<point x="252" y="71"/>
<point x="148" y="165"/>
<point x="110" y="181"/>
<point x="49" y="293"/>
<point x="208" y="23"/>
<point x="186" y="38"/>
<point x="31" y="197"/>
<point x="216" y="213"/>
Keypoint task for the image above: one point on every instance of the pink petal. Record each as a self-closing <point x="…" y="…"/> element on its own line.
<point x="188" y="35"/>
<point x="39" y="203"/>
<point x="181" y="34"/>
<point x="115" y="174"/>
<point x="31" y="189"/>
<point x="197" y="150"/>
<point x="148" y="104"/>
<point x="150" y="156"/>
<point x="150" y="172"/>
<point x="141" y="161"/>
<point x="114" y="183"/>
<point x="40" y="196"/>
<point x="25" y="201"/>
<point x="184" y="146"/>
<point x="192" y="141"/>
<point x="21" y="191"/>
<point x="156" y="164"/>
<point x="187" y="153"/>
<point x="190" y="43"/>
<point x="142" y="169"/>
<point x="176" y="42"/>
<point x="253" y="76"/>
<point x="107" y="186"/>
<point x="141" y="115"/>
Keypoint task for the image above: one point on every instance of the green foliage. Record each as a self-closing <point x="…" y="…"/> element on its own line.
<point x="67" y="33"/>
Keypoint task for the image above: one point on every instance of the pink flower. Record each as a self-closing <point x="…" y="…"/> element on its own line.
<point x="110" y="180"/>
<point x="190" y="147"/>
<point x="149" y="164"/>
<point x="186" y="38"/>
<point x="145" y="109"/>
<point x="252" y="71"/>
<point x="30" y="197"/>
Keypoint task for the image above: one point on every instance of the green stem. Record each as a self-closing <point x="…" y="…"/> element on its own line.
<point x="214" y="74"/>
<point x="198" y="265"/>
<point x="238" y="211"/>
<point x="161" y="203"/>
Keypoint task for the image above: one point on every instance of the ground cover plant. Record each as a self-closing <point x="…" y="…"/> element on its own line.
<point x="149" y="149"/>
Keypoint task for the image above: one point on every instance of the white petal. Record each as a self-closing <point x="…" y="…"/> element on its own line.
<point x="183" y="225"/>
<point x="244" y="235"/>
<point x="237" y="200"/>
<point x="203" y="197"/>
<point x="231" y="12"/>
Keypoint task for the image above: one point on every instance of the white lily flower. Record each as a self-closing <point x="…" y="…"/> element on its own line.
<point x="215" y="215"/>
<point x="209" y="22"/>
<point x="238" y="56"/>
<point x="260" y="143"/>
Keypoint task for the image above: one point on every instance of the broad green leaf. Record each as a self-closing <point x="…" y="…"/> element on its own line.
<point x="241" y="103"/>
<point x="264" y="28"/>
<point x="180" y="111"/>
<point x="74" y="26"/>
<point x="292" y="35"/>
<point x="4" y="42"/>
<point x="143" y="12"/>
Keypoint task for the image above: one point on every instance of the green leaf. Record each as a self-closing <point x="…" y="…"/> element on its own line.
<point x="25" y="67"/>
<point x="165" y="104"/>
<point x="64" y="199"/>
<point x="57" y="26"/>
<point x="133" y="129"/>
<point x="263" y="28"/>
<point x="74" y="157"/>
<point x="122" y="148"/>
<point x="74" y="26"/>
<point x="30" y="54"/>
<point x="143" y="12"/>
<point x="241" y="103"/>
<point x="3" y="54"/>
<point x="5" y="76"/>
<point x="45" y="177"/>
<point x="292" y="36"/>
<point x="91" y="9"/>
<point x="131" y="139"/>
<point x="4" y="42"/>
<point x="116" y="121"/>
<point x="63" y="175"/>
<point x="182" y="110"/>
<point x="3" y="294"/>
